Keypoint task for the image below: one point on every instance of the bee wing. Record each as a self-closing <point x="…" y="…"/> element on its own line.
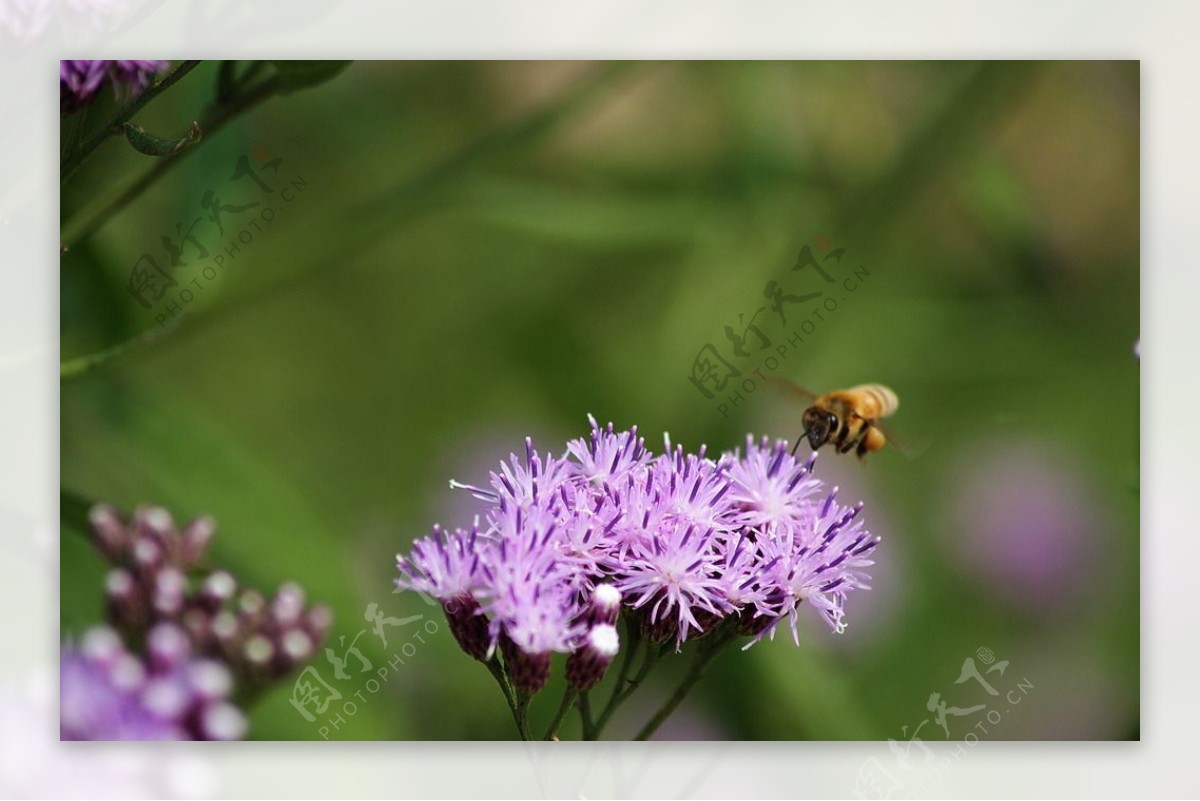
<point x="906" y="450"/>
<point x="792" y="388"/>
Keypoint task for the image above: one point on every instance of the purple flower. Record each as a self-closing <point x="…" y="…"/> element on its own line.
<point x="528" y="594"/>
<point x="817" y="563"/>
<point x="681" y="542"/>
<point x="694" y="490"/>
<point x="1024" y="524"/>
<point x="445" y="566"/>
<point x="80" y="81"/>
<point x="107" y="693"/>
<point x="772" y="490"/>
<point x="158" y="576"/>
<point x="606" y="456"/>
<point x="675" y="576"/>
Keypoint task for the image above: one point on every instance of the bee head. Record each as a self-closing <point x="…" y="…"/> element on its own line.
<point x="818" y="426"/>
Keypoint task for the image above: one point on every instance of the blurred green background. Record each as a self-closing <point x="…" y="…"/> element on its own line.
<point x="478" y="251"/>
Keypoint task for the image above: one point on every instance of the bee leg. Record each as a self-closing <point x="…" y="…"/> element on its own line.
<point x="847" y="445"/>
<point x="843" y="431"/>
<point x="872" y="440"/>
<point x="861" y="451"/>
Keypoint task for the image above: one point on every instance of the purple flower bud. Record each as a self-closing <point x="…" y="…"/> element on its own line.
<point x="218" y="589"/>
<point x="252" y="606"/>
<point x="258" y="651"/>
<point x="317" y="621"/>
<point x="528" y="672"/>
<point x="222" y="721"/>
<point x="126" y="607"/>
<point x="155" y="523"/>
<point x="195" y="539"/>
<point x="209" y="679"/>
<point x="107" y="531"/>
<point x="147" y="556"/>
<point x="469" y="626"/>
<point x="606" y="604"/>
<point x="225" y="627"/>
<point x="127" y="673"/>
<point x="167" y="646"/>
<point x="295" y="647"/>
<point x="586" y="666"/>
<point x="288" y="604"/>
<point x="170" y="588"/>
<point x="166" y="697"/>
<point x="102" y="646"/>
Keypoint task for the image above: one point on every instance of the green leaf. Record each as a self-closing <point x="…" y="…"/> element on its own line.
<point x="150" y="145"/>
<point x="295" y="75"/>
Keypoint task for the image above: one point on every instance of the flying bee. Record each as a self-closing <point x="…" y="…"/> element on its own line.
<point x="849" y="418"/>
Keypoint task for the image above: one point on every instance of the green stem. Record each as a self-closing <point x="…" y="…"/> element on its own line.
<point x="73" y="368"/>
<point x="707" y="651"/>
<point x="568" y="700"/>
<point x="521" y="714"/>
<point x="585" y="716"/>
<point x="417" y="195"/>
<point x="627" y="687"/>
<point x="212" y="121"/>
<point x="518" y="701"/>
<point x="123" y="115"/>
<point x="634" y="636"/>
<point x="497" y="670"/>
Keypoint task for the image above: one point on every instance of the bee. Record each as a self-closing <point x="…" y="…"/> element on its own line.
<point x="849" y="418"/>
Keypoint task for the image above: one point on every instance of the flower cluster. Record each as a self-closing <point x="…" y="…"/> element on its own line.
<point x="684" y="543"/>
<point x="80" y="81"/>
<point x="195" y="623"/>
<point x="107" y="693"/>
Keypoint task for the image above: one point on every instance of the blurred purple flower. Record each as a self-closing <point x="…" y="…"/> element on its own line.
<point x="79" y="81"/>
<point x="198" y="631"/>
<point x="1023" y="523"/>
<point x="157" y="576"/>
<point x="107" y="693"/>
<point x="687" y="542"/>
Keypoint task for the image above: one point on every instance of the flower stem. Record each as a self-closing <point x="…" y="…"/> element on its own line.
<point x="73" y="368"/>
<point x="585" y="716"/>
<point x="704" y="655"/>
<point x="568" y="700"/>
<point x="82" y="226"/>
<point x="626" y="686"/>
<point x="497" y="670"/>
<point x="74" y="160"/>
<point x="521" y="714"/>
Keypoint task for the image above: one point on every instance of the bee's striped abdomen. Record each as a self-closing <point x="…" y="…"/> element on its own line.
<point x="884" y="399"/>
